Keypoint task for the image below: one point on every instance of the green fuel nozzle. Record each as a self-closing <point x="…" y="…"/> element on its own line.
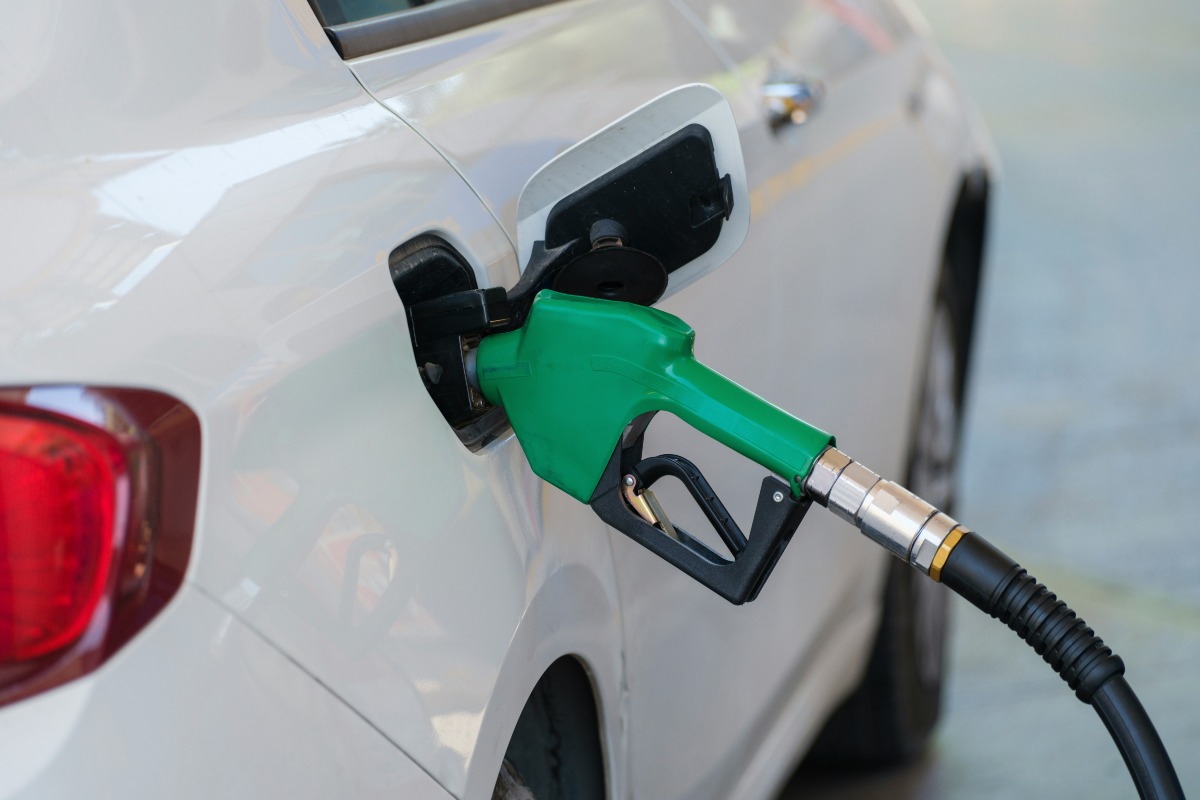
<point x="581" y="370"/>
<point x="579" y="382"/>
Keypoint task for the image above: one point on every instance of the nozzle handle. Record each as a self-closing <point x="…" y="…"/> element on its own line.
<point x="738" y="579"/>
<point x="737" y="418"/>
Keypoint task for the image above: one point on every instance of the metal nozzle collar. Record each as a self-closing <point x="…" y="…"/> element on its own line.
<point x="886" y="512"/>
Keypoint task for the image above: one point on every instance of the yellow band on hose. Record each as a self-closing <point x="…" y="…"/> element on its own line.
<point x="943" y="553"/>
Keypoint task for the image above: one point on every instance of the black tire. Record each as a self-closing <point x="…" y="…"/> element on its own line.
<point x="890" y="716"/>
<point x="510" y="785"/>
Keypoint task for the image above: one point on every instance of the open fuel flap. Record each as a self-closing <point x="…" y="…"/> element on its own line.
<point x="632" y="213"/>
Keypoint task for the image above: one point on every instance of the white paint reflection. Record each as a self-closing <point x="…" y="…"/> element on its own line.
<point x="153" y="194"/>
<point x="72" y="401"/>
<point x="34" y="734"/>
<point x="144" y="268"/>
<point x="457" y="731"/>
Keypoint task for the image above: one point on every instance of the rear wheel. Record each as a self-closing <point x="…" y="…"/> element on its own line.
<point x="510" y="785"/>
<point x="555" y="752"/>
<point x="889" y="717"/>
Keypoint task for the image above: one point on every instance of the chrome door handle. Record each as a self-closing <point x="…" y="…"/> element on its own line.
<point x="790" y="100"/>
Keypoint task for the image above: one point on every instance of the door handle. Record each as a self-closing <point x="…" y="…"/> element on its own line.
<point x="789" y="100"/>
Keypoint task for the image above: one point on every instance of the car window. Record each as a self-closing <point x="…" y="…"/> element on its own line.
<point x="361" y="27"/>
<point x="339" y="12"/>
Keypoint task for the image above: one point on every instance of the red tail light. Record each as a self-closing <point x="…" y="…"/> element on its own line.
<point x="59" y="486"/>
<point x="97" y="504"/>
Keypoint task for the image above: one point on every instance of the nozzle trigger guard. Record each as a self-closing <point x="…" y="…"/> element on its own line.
<point x="650" y="470"/>
<point x="739" y="579"/>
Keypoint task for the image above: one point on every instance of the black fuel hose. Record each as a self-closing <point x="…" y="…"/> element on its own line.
<point x="938" y="546"/>
<point x="999" y="586"/>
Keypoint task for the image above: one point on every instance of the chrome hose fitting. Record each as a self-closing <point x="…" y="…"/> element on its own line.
<point x="890" y="515"/>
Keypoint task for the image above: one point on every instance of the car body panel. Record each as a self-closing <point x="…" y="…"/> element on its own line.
<point x="202" y="200"/>
<point x="862" y="167"/>
<point x="250" y="232"/>
<point x="199" y="705"/>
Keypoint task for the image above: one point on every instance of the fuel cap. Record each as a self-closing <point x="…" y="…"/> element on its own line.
<point x="612" y="271"/>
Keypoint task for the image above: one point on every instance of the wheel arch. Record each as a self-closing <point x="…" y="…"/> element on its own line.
<point x="556" y="746"/>
<point x="565" y="659"/>
<point x="963" y="260"/>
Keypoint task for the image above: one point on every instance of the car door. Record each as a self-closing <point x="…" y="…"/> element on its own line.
<point x="822" y="312"/>
<point x="501" y="98"/>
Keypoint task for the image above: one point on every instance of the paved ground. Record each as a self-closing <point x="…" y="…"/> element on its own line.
<point x="1083" y="432"/>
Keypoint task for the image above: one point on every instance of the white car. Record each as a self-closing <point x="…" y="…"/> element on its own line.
<point x="243" y="553"/>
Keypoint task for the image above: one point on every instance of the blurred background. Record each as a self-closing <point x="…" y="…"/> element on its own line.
<point x="1082" y="437"/>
